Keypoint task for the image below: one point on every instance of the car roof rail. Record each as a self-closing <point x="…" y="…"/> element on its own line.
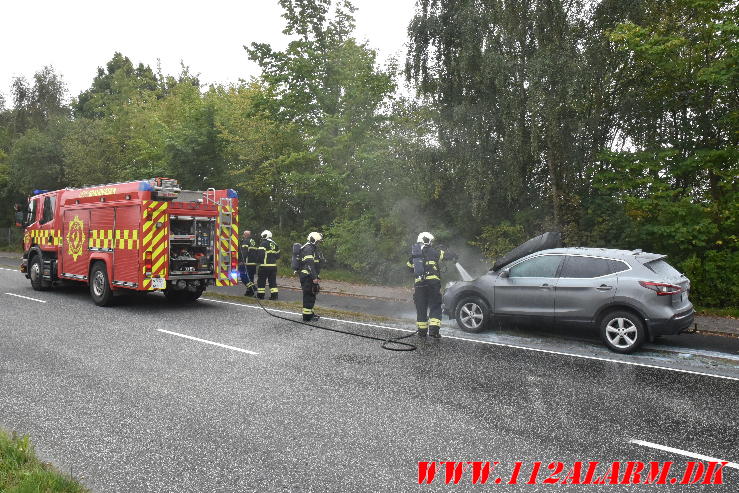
<point x="637" y="251"/>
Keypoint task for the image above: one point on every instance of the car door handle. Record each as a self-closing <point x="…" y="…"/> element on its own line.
<point x="545" y="285"/>
<point x="604" y="287"/>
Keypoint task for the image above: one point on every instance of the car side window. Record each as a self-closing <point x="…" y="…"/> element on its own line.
<point x="576" y="267"/>
<point x="541" y="266"/>
<point x="48" y="213"/>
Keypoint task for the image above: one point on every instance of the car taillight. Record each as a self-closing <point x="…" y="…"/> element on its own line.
<point x="147" y="263"/>
<point x="661" y="288"/>
<point x="234" y="261"/>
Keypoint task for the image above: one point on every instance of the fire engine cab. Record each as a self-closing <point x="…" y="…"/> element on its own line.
<point x="146" y="235"/>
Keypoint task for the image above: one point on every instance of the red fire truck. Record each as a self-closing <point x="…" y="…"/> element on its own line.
<point x="146" y="235"/>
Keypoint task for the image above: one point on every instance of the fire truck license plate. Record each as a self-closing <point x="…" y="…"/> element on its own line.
<point x="158" y="283"/>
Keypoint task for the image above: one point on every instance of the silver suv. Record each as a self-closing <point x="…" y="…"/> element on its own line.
<point x="629" y="296"/>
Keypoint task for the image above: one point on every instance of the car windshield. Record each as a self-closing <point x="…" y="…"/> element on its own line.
<point x="662" y="268"/>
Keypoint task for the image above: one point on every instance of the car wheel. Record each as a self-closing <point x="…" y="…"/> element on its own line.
<point x="100" y="290"/>
<point x="472" y="314"/>
<point x="35" y="273"/>
<point x="622" y="332"/>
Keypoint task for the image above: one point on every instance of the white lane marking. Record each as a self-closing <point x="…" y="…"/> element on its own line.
<point x="11" y="270"/>
<point x="501" y="344"/>
<point x="25" y="297"/>
<point x="683" y="452"/>
<point x="208" y="342"/>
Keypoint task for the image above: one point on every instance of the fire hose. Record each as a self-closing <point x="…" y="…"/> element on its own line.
<point x="386" y="343"/>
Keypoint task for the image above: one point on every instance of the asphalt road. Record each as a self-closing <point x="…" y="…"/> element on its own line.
<point x="119" y="397"/>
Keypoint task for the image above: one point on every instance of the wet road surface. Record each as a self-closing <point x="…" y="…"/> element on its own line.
<point x="146" y="396"/>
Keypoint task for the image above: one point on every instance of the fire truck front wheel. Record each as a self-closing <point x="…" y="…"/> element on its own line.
<point x="100" y="290"/>
<point x="35" y="272"/>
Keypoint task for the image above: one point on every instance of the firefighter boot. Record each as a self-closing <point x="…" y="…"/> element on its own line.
<point x="273" y="296"/>
<point x="434" y="331"/>
<point x="422" y="328"/>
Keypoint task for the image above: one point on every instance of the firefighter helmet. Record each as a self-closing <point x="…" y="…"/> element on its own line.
<point x="315" y="237"/>
<point x="267" y="234"/>
<point x="426" y="238"/>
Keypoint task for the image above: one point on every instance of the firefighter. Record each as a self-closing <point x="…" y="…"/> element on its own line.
<point x="267" y="255"/>
<point x="309" y="262"/>
<point x="248" y="266"/>
<point x="424" y="262"/>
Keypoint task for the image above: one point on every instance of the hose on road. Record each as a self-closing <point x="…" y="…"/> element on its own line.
<point x="387" y="343"/>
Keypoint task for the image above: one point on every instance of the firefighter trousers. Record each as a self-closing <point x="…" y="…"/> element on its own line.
<point x="309" y="296"/>
<point x="248" y="279"/>
<point x="267" y="274"/>
<point x="427" y="298"/>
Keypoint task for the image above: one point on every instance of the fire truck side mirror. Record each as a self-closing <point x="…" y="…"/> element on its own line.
<point x="19" y="216"/>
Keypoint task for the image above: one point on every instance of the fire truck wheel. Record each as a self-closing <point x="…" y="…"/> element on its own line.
<point x="35" y="270"/>
<point x="100" y="290"/>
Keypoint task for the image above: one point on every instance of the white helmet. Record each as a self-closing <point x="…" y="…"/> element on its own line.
<point x="426" y="238"/>
<point x="314" y="237"/>
<point x="267" y="234"/>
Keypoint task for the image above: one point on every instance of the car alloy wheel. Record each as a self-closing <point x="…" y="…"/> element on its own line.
<point x="471" y="315"/>
<point x="621" y="332"/>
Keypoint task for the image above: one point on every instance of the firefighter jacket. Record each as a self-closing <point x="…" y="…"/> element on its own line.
<point x="432" y="258"/>
<point x="268" y="253"/>
<point x="248" y="251"/>
<point x="310" y="260"/>
<point x="251" y="255"/>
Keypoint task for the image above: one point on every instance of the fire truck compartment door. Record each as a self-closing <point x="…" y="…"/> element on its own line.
<point x="126" y="244"/>
<point x="75" y="244"/>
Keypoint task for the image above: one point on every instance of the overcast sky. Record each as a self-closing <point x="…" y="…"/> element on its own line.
<point x="77" y="36"/>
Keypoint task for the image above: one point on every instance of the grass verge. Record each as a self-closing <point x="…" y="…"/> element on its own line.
<point x="731" y="312"/>
<point x="297" y="307"/>
<point x="21" y="471"/>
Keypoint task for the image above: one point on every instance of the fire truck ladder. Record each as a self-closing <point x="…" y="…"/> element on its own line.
<point x="224" y="251"/>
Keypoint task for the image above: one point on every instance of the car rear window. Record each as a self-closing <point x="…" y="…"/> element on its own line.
<point x="588" y="267"/>
<point x="662" y="268"/>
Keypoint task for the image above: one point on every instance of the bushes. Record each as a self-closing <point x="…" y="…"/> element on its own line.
<point x="714" y="278"/>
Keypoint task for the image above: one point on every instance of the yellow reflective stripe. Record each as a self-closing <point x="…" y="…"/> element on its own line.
<point x="307" y="311"/>
<point x="268" y="265"/>
<point x="441" y="255"/>
<point x="273" y="290"/>
<point x="422" y="325"/>
<point x="307" y="257"/>
<point x="434" y="321"/>
<point x="432" y="277"/>
<point x="260" y="290"/>
<point x="305" y="271"/>
<point x="409" y="264"/>
<point x="430" y="262"/>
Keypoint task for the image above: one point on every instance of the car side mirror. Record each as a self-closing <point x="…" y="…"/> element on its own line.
<point x="505" y="273"/>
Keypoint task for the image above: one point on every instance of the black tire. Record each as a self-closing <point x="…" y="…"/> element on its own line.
<point x="35" y="273"/>
<point x="622" y="331"/>
<point x="472" y="314"/>
<point x="100" y="290"/>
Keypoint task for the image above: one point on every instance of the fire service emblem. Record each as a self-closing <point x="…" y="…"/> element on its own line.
<point x="75" y="237"/>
